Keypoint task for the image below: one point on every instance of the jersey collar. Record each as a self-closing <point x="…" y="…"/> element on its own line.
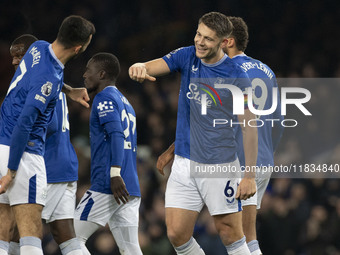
<point x="217" y="63"/>
<point x="54" y="56"/>
<point x="240" y="55"/>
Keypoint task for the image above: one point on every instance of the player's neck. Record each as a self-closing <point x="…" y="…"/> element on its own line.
<point x="64" y="55"/>
<point x="215" y="59"/>
<point x="234" y="52"/>
<point x="105" y="84"/>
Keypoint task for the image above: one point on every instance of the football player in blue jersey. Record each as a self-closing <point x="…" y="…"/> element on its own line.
<point x="269" y="134"/>
<point x="268" y="137"/>
<point x="61" y="166"/>
<point x="25" y="114"/>
<point x="199" y="144"/>
<point x="114" y="195"/>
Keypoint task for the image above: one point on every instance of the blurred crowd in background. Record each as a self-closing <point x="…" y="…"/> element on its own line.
<point x="297" y="39"/>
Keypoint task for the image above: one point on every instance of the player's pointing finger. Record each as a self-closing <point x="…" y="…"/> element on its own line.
<point x="150" y="78"/>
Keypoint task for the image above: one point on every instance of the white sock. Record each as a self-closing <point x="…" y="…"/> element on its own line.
<point x="84" y="229"/>
<point x="14" y="248"/>
<point x="254" y="247"/>
<point x="127" y="240"/>
<point x="71" y="247"/>
<point x="4" y="247"/>
<point x="30" y="245"/>
<point x="84" y="248"/>
<point x="238" y="248"/>
<point x="189" y="248"/>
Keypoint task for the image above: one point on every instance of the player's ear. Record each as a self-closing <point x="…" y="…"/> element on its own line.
<point x="224" y="43"/>
<point x="102" y="74"/>
<point x="230" y="42"/>
<point x="77" y="49"/>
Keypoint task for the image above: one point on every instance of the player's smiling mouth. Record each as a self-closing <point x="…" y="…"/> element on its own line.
<point x="200" y="50"/>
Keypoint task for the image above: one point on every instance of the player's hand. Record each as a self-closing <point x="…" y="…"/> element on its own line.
<point x="80" y="95"/>
<point x="163" y="160"/>
<point x="246" y="189"/>
<point x="137" y="72"/>
<point x="119" y="190"/>
<point x="5" y="182"/>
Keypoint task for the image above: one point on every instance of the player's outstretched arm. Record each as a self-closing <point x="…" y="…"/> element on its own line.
<point x="148" y="70"/>
<point x="165" y="158"/>
<point x="247" y="187"/>
<point x="79" y="95"/>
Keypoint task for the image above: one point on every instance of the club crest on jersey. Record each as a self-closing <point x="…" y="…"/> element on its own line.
<point x="46" y="89"/>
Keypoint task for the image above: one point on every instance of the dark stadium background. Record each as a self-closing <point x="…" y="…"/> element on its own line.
<point x="297" y="39"/>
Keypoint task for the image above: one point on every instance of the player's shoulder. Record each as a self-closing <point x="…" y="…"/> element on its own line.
<point x="38" y="48"/>
<point x="186" y="51"/>
<point x="234" y="68"/>
<point x="110" y="93"/>
<point x="42" y="59"/>
<point x="253" y="66"/>
<point x="260" y="63"/>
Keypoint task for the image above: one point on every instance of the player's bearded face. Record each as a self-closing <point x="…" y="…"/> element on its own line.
<point x="83" y="47"/>
<point x="207" y="44"/>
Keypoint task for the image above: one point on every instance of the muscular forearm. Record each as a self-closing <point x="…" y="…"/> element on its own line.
<point x="250" y="143"/>
<point x="66" y="89"/>
<point x="250" y="150"/>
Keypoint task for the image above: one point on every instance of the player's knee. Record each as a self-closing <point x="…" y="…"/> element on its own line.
<point x="177" y="237"/>
<point x="62" y="231"/>
<point x="228" y="232"/>
<point x="59" y="238"/>
<point x="224" y="228"/>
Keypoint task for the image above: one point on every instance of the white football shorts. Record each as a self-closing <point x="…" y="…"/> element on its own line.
<point x="29" y="185"/>
<point x="102" y="208"/>
<point x="191" y="193"/>
<point x="262" y="180"/>
<point x="60" y="201"/>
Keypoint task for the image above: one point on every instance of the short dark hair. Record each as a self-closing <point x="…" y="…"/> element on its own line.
<point x="75" y="30"/>
<point x="240" y="33"/>
<point x="218" y="22"/>
<point x="109" y="63"/>
<point x="26" y="40"/>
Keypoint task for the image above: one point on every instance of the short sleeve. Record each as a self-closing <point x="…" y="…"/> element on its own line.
<point x="177" y="59"/>
<point x="42" y="90"/>
<point x="243" y="81"/>
<point x="107" y="109"/>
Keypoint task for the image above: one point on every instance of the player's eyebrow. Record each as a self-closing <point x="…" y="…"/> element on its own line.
<point x="205" y="37"/>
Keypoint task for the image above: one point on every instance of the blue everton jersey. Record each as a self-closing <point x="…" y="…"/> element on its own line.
<point x="263" y="81"/>
<point x="37" y="82"/>
<point x="60" y="157"/>
<point x="111" y="106"/>
<point x="202" y="102"/>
